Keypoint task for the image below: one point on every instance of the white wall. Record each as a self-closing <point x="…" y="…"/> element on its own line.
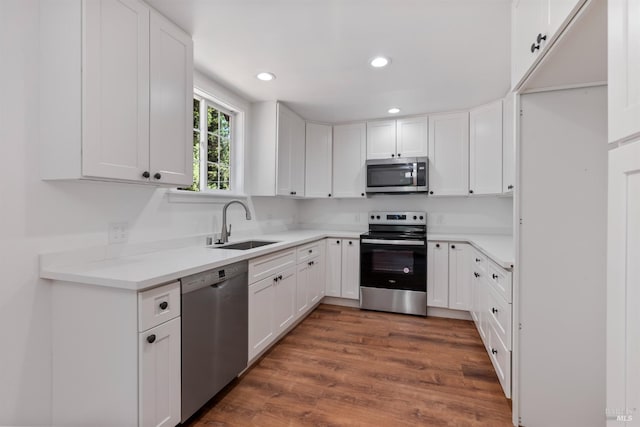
<point x="38" y="216"/>
<point x="444" y="214"/>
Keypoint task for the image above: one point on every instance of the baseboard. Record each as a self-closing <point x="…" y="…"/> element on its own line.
<point x="344" y="302"/>
<point x="448" y="313"/>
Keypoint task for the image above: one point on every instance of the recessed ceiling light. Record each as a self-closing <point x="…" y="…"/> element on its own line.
<point x="265" y="77"/>
<point x="394" y="110"/>
<point x="379" y="62"/>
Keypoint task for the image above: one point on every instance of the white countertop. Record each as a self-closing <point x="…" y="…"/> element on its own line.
<point x="139" y="272"/>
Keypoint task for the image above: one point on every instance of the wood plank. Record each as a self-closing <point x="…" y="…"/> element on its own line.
<point x="343" y="366"/>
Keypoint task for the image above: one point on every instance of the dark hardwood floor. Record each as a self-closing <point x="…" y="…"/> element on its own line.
<point x="346" y="367"/>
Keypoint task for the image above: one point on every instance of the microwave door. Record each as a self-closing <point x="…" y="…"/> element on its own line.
<point x="401" y="175"/>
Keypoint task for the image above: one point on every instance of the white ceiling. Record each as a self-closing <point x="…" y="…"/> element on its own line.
<point x="446" y="54"/>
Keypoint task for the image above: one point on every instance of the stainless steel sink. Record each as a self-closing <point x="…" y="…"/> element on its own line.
<point x="243" y="246"/>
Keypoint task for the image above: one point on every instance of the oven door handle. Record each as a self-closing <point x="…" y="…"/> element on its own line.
<point x="394" y="242"/>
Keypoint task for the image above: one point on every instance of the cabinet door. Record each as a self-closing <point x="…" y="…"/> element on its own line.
<point x="285" y="300"/>
<point x="261" y="318"/>
<point x="333" y="268"/>
<point x="381" y="139"/>
<point x="159" y="370"/>
<point x="349" y="156"/>
<point x="623" y="279"/>
<point x="624" y="69"/>
<point x="303" y="288"/>
<point x="351" y="269"/>
<point x="115" y="132"/>
<point x="558" y="12"/>
<point x="459" y="276"/>
<point x="412" y="137"/>
<point x="316" y="280"/>
<point x="449" y="154"/>
<point x="485" y="149"/>
<point x="291" y="139"/>
<point x="509" y="115"/>
<point x="530" y="18"/>
<point x="171" y="103"/>
<point x="318" y="160"/>
<point x="437" y="274"/>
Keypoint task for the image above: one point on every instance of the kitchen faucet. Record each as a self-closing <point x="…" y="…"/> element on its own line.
<point x="224" y="235"/>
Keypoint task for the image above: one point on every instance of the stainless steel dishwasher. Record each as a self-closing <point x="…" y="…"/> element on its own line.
<point x="214" y="333"/>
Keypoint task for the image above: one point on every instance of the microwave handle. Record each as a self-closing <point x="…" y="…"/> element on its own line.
<point x="415" y="174"/>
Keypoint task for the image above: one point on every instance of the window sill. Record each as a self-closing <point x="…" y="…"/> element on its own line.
<point x="184" y="196"/>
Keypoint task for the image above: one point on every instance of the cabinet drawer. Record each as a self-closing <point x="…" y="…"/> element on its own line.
<point x="268" y="265"/>
<point x="158" y="305"/>
<point x="500" y="280"/>
<point x="308" y="252"/>
<point x="499" y="315"/>
<point x="501" y="359"/>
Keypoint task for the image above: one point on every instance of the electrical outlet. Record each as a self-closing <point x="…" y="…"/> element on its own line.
<point x="118" y="232"/>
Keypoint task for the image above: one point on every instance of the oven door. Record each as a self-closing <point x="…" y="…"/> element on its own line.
<point x="393" y="264"/>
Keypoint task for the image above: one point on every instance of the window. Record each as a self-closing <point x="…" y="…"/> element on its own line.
<point x="212" y="136"/>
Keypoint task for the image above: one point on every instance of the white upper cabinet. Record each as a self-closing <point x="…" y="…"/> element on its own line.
<point x="319" y="143"/>
<point x="171" y="95"/>
<point x="485" y="149"/>
<point x="389" y="139"/>
<point x="349" y="157"/>
<point x="124" y="75"/>
<point x="449" y="154"/>
<point x="381" y="139"/>
<point x="509" y="115"/>
<point x="291" y="147"/>
<point x="534" y="24"/>
<point x="624" y="69"/>
<point x="412" y="137"/>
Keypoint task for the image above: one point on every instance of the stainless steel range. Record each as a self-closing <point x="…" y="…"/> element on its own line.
<point x="393" y="263"/>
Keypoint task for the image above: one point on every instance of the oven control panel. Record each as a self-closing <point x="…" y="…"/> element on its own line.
<point x="398" y="218"/>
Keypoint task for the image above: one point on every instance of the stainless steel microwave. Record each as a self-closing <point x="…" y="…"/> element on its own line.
<point x="404" y="175"/>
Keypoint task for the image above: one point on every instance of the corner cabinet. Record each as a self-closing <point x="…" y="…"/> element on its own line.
<point x="349" y="159"/>
<point x="485" y="149"/>
<point x="624" y="69"/>
<point x="449" y="154"/>
<point x="120" y="365"/>
<point x="125" y="76"/>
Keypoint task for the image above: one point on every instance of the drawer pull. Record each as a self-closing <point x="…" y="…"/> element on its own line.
<point x="494" y="310"/>
<point x="477" y="259"/>
<point x="437" y="245"/>
<point x="151" y="338"/>
<point x="476" y="274"/>
<point x="495" y="276"/>
<point x="163" y="305"/>
<point x="350" y="242"/>
<point x="310" y="251"/>
<point x="494" y="351"/>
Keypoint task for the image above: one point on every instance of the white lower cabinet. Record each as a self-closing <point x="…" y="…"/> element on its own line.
<point x="159" y="350"/>
<point x="283" y="288"/>
<point x="120" y="364"/>
<point x="448" y="281"/>
<point x="343" y="268"/>
<point x="492" y="312"/>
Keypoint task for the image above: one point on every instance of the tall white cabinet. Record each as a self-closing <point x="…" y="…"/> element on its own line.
<point x="623" y="244"/>
<point x="449" y="154"/>
<point x="125" y="76"/>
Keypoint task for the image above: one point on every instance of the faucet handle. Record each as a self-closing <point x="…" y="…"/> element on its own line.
<point x="229" y="231"/>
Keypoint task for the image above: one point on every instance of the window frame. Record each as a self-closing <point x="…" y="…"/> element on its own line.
<point x="205" y="102"/>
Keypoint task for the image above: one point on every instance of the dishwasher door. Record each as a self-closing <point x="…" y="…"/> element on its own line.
<point x="214" y="333"/>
